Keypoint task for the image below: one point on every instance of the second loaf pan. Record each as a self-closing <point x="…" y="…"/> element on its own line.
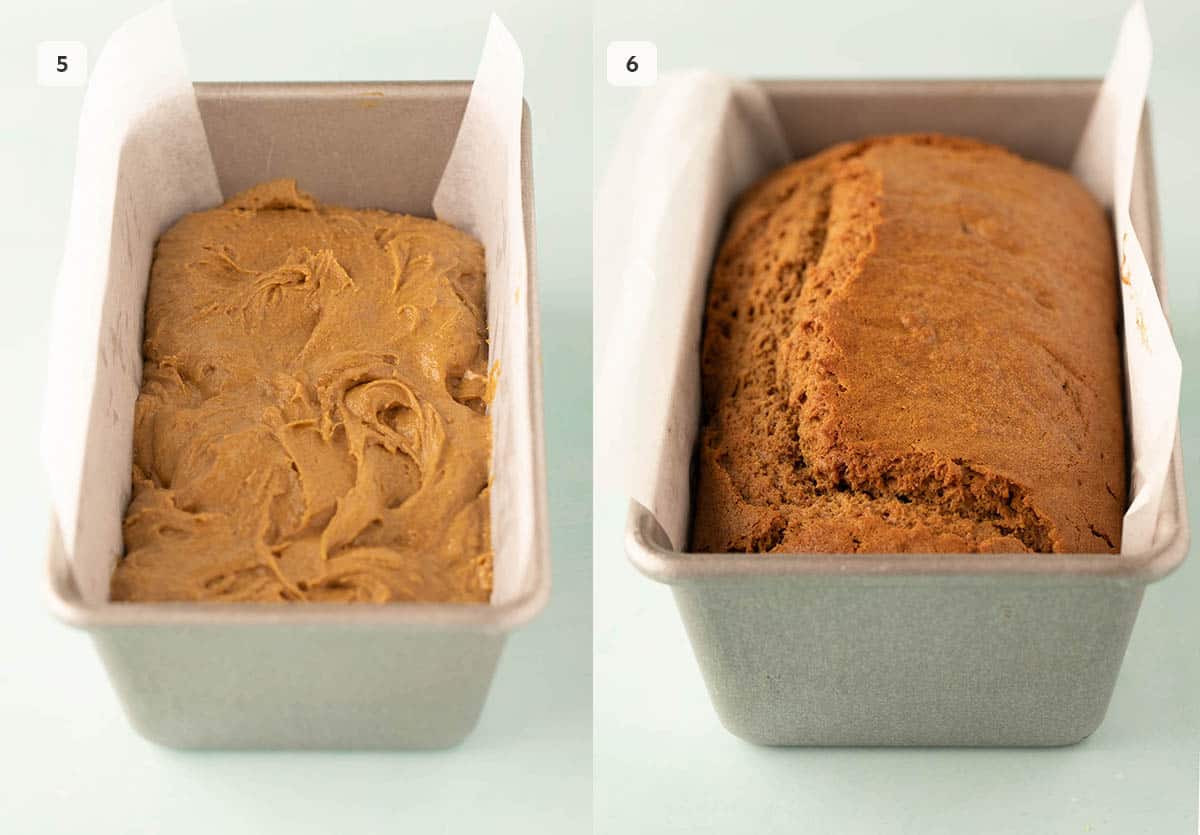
<point x="921" y="649"/>
<point x="404" y="675"/>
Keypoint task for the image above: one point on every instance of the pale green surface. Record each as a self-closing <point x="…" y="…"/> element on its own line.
<point x="660" y="752"/>
<point x="68" y="761"/>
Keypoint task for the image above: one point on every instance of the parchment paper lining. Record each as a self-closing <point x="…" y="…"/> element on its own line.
<point x="693" y="143"/>
<point x="143" y="161"/>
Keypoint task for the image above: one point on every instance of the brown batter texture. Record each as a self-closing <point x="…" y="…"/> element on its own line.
<point x="312" y="422"/>
<point x="912" y="344"/>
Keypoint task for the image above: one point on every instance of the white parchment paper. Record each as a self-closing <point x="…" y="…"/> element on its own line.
<point x="480" y="193"/>
<point x="139" y="105"/>
<point x="1105" y="162"/>
<point x="692" y="144"/>
<point x="143" y="161"/>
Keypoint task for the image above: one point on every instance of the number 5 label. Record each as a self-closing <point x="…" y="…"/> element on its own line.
<point x="632" y="63"/>
<point x="62" y="64"/>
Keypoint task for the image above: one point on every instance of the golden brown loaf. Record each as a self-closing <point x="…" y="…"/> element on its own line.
<point x="912" y="344"/>
<point x="311" y="424"/>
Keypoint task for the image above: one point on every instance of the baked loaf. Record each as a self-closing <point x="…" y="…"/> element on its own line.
<point x="912" y="344"/>
<point x="311" y="424"/>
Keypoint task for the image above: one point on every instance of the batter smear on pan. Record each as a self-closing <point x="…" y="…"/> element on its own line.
<point x="312" y="421"/>
<point x="912" y="344"/>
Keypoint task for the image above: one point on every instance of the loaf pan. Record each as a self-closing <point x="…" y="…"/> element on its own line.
<point x="405" y="675"/>
<point x="921" y="649"/>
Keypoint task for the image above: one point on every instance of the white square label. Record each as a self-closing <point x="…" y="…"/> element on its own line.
<point x="62" y="64"/>
<point x="632" y="63"/>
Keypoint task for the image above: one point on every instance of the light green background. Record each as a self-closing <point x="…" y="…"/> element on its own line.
<point x="660" y="752"/>
<point x="68" y="761"/>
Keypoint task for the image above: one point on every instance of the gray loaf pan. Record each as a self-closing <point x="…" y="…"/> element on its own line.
<point x="921" y="649"/>
<point x="405" y="675"/>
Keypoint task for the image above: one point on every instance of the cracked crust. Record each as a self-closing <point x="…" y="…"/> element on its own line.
<point x="912" y="344"/>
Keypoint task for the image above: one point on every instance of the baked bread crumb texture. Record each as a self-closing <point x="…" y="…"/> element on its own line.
<point x="912" y="343"/>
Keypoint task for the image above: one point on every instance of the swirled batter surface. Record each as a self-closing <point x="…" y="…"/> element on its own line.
<point x="312" y="421"/>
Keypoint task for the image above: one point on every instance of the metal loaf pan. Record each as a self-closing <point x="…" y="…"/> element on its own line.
<point x="921" y="649"/>
<point x="322" y="675"/>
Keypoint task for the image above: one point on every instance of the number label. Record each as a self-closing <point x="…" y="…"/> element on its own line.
<point x="632" y="63"/>
<point x="62" y="64"/>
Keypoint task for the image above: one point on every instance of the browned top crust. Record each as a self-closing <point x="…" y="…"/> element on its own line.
<point x="912" y="344"/>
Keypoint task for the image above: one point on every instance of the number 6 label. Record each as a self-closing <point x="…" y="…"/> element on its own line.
<point x="632" y="63"/>
<point x="62" y="64"/>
